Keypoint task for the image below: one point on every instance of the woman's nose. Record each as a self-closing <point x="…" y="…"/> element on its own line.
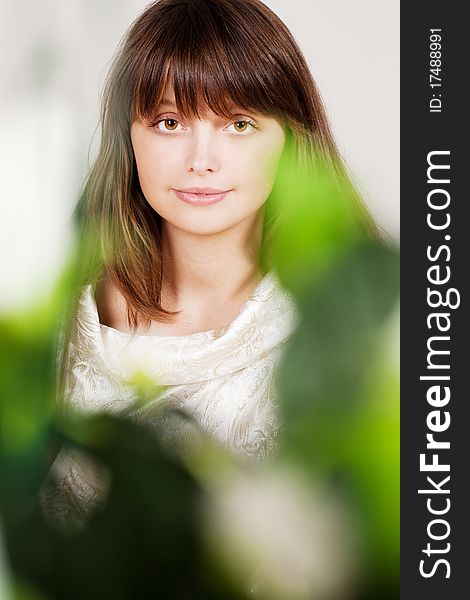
<point x="202" y="149"/>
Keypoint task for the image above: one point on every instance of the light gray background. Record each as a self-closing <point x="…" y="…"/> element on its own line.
<point x="55" y="54"/>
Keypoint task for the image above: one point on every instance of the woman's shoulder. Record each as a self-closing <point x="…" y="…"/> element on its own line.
<point x="110" y="304"/>
<point x="98" y="303"/>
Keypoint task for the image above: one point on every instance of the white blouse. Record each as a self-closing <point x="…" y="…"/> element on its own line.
<point x="224" y="379"/>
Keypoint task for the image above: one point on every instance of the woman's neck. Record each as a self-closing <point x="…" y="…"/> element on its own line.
<point x="219" y="267"/>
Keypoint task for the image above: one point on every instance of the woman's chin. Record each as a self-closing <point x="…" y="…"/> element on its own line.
<point x="203" y="226"/>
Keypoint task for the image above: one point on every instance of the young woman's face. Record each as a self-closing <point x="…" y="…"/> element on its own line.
<point x="237" y="156"/>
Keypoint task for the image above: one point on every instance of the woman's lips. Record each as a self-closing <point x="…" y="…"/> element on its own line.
<point x="201" y="199"/>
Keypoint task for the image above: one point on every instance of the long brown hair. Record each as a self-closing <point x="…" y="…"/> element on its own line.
<point x="215" y="53"/>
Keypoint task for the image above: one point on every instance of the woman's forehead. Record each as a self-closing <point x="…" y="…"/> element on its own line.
<point x="168" y="100"/>
<point x="197" y="102"/>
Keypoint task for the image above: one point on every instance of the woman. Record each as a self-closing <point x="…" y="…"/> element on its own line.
<point x="201" y="101"/>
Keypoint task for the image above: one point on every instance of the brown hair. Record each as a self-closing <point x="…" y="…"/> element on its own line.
<point x="215" y="53"/>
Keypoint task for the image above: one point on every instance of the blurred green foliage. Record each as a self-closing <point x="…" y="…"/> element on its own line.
<point x="338" y="393"/>
<point x="144" y="544"/>
<point x="339" y="397"/>
<point x="339" y="386"/>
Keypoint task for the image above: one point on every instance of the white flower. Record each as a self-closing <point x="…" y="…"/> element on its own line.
<point x="290" y="541"/>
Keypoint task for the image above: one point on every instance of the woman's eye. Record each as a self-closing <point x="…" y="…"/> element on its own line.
<point x="244" y="126"/>
<point x="170" y="124"/>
